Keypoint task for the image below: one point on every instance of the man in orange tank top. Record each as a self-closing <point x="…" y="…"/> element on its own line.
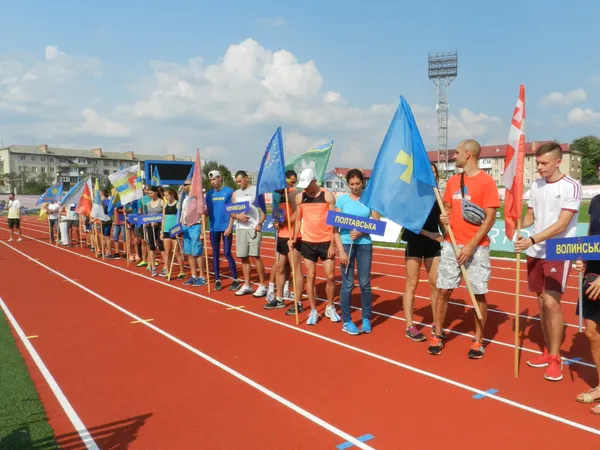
<point x="312" y="207"/>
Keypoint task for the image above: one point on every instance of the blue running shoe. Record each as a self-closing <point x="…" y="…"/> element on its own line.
<point x="350" y="328"/>
<point x="200" y="282"/>
<point x="366" y="326"/>
<point x="189" y="282"/>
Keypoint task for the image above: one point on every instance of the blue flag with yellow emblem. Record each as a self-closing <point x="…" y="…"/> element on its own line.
<point x="52" y="194"/>
<point x="271" y="175"/>
<point x="402" y="180"/>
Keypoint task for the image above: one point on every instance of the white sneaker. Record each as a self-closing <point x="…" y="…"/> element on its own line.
<point x="270" y="296"/>
<point x="244" y="290"/>
<point x="10" y="240"/>
<point x="332" y="314"/>
<point x="261" y="291"/>
<point x="20" y="240"/>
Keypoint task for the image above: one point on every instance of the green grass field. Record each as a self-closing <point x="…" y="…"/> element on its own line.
<point x="23" y="421"/>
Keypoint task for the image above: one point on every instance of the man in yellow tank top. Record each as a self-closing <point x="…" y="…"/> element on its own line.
<point x="312" y="207"/>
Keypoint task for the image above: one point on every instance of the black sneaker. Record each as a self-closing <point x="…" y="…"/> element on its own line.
<point x="276" y="303"/>
<point x="435" y="345"/>
<point x="218" y="285"/>
<point x="476" y="351"/>
<point x="292" y="309"/>
<point x="235" y="285"/>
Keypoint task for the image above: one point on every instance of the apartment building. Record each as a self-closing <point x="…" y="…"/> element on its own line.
<point x="491" y="161"/>
<point x="69" y="166"/>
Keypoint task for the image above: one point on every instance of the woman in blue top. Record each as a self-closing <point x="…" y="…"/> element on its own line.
<point x="362" y="253"/>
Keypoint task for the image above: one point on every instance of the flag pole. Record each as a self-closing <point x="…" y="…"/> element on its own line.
<point x="462" y="266"/>
<point x="292" y="259"/>
<point x="206" y="252"/>
<point x="517" y="303"/>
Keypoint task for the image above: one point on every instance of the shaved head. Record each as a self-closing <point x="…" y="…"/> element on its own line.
<point x="471" y="146"/>
<point x="467" y="153"/>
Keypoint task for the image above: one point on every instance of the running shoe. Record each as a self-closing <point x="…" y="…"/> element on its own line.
<point x="350" y="328"/>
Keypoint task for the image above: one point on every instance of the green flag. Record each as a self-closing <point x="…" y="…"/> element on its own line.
<point x="316" y="159"/>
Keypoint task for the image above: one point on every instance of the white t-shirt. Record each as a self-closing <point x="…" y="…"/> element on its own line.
<point x="14" y="209"/>
<point x="247" y="195"/>
<point x="53" y="208"/>
<point x="547" y="201"/>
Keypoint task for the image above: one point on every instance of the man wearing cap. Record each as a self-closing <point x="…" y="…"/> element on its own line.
<point x="312" y="207"/>
<point x="248" y="234"/>
<point x="470" y="204"/>
<point x="216" y="199"/>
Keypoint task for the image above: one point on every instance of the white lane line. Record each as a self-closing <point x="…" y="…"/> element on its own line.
<point x="208" y="358"/>
<point x="56" y="390"/>
<point x="573" y="361"/>
<point x="347" y="346"/>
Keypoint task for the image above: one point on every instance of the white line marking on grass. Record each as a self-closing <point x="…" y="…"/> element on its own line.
<point x="211" y="360"/>
<point x="56" y="390"/>
<point x="340" y="344"/>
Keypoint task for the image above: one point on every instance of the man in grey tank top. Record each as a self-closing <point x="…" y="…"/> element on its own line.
<point x="248" y="234"/>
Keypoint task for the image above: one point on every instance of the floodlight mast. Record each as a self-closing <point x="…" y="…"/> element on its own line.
<point x="443" y="69"/>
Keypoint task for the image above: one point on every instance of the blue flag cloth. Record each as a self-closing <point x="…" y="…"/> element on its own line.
<point x="271" y="175"/>
<point x="52" y="194"/>
<point x="402" y="180"/>
<point x="155" y="177"/>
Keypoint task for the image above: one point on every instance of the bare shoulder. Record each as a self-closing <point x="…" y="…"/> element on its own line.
<point x="329" y="197"/>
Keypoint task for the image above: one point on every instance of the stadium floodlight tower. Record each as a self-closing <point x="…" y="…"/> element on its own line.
<point x="443" y="68"/>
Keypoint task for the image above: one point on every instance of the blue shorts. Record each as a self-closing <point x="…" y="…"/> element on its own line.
<point x="118" y="229"/>
<point x="192" y="245"/>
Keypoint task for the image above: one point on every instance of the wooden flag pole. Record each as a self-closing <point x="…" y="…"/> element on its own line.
<point x="292" y="259"/>
<point x="174" y="250"/>
<point x="456" y="251"/>
<point x="517" y="302"/>
<point x="206" y="253"/>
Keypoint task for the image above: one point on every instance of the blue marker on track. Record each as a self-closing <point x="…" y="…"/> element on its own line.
<point x="572" y="360"/>
<point x="365" y="438"/>
<point x="480" y="396"/>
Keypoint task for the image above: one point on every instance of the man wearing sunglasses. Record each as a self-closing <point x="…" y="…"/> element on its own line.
<point x="248" y="234"/>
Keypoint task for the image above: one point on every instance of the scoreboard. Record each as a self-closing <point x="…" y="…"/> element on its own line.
<point x="170" y="172"/>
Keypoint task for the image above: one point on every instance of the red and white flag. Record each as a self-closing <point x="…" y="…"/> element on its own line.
<point x="513" y="167"/>
<point x="195" y="205"/>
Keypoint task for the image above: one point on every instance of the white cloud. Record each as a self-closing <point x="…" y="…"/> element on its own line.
<point x="559" y="99"/>
<point x="94" y="124"/>
<point x="229" y="109"/>
<point x="583" y="116"/>
<point x="272" y="21"/>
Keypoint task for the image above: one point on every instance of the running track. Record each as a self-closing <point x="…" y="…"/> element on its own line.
<point x="207" y="373"/>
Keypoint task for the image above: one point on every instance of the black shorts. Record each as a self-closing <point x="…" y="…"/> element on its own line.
<point x="313" y="251"/>
<point x="422" y="247"/>
<point x="282" y="245"/>
<point x="14" y="223"/>
<point x="154" y="240"/>
<point x="591" y="308"/>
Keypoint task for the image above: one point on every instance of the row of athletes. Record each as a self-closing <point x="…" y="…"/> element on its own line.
<point x="471" y="201"/>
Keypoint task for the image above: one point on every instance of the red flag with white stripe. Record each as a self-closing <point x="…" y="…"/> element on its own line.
<point x="513" y="167"/>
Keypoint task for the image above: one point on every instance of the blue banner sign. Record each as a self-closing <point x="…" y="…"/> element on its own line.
<point x="499" y="241"/>
<point x="350" y="222"/>
<point x="132" y="218"/>
<point x="237" y="208"/>
<point x="176" y="230"/>
<point x="586" y="248"/>
<point x="148" y="218"/>
<point x="278" y="214"/>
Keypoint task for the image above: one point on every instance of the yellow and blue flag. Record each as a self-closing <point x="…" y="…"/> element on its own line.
<point x="271" y="175"/>
<point x="52" y="194"/>
<point x="155" y="177"/>
<point x="402" y="180"/>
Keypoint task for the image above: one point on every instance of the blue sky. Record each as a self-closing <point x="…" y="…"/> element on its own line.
<point x="98" y="84"/>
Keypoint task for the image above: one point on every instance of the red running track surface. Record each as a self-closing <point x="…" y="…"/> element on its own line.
<point x="382" y="384"/>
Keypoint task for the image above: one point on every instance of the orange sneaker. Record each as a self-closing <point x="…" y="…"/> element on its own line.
<point x="539" y="360"/>
<point x="554" y="370"/>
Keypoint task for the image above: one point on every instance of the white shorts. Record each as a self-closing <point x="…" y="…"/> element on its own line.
<point x="478" y="269"/>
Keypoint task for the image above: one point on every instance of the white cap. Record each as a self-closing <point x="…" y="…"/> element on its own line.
<point x="213" y="174"/>
<point x="306" y="177"/>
